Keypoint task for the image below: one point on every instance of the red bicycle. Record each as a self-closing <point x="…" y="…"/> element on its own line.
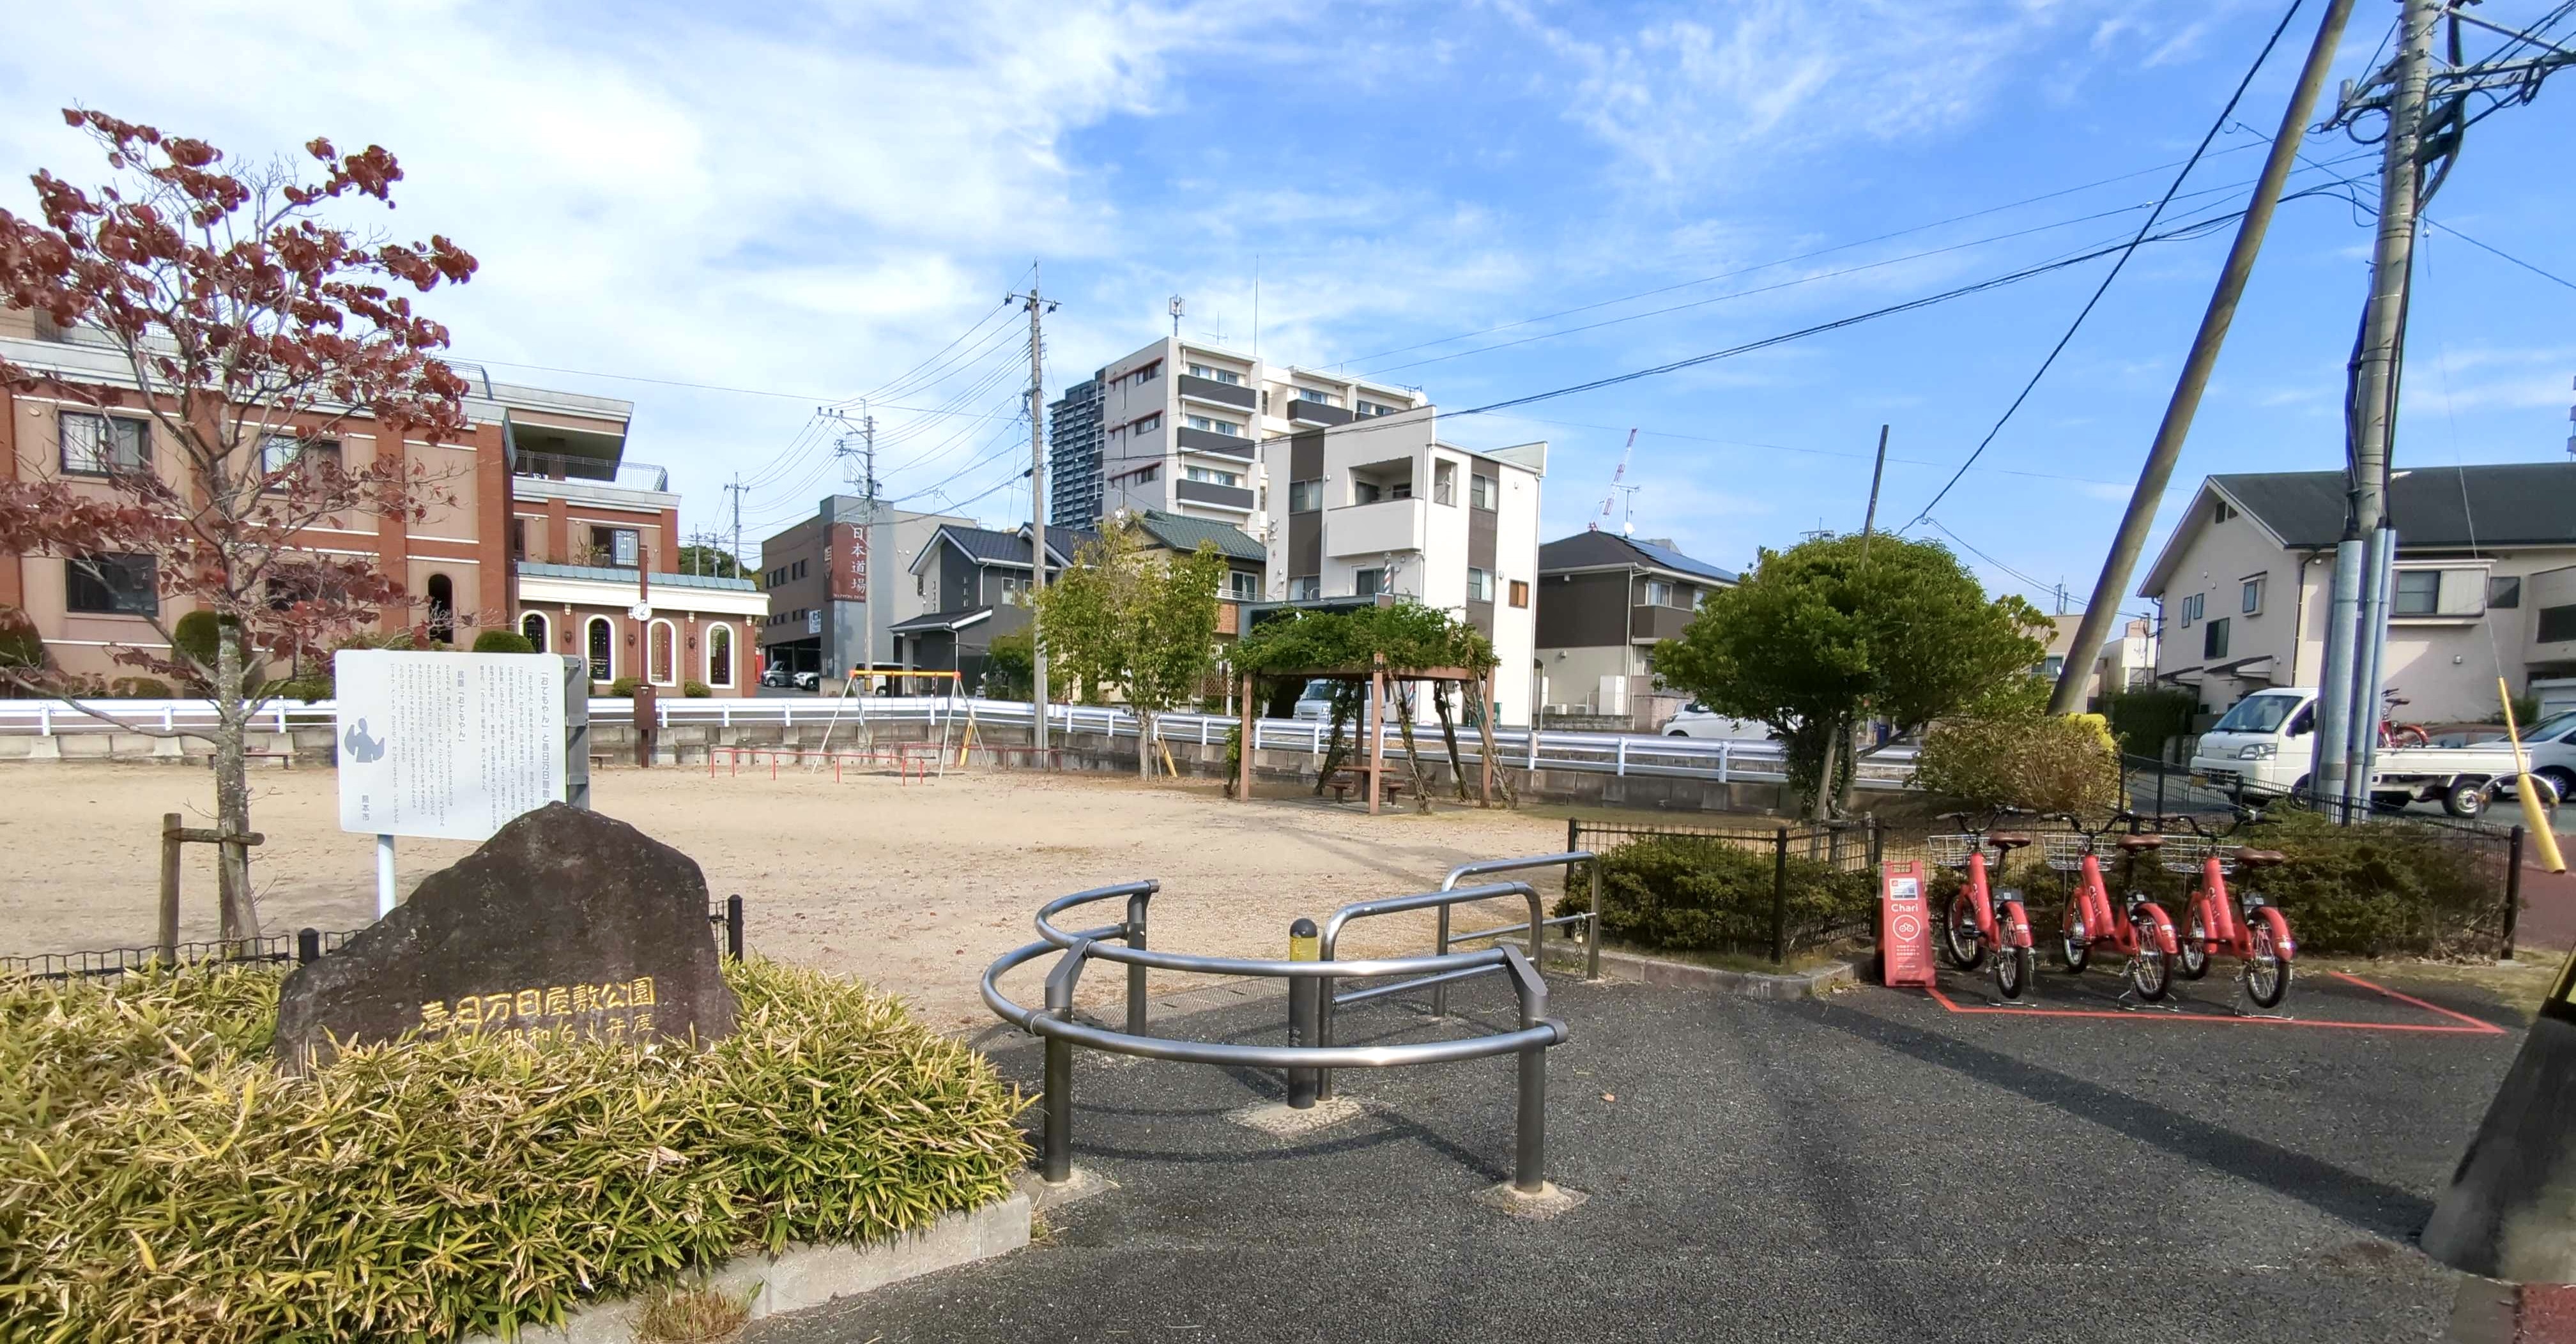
<point x="2241" y="924"/>
<point x="2144" y="932"/>
<point x="1978" y="919"/>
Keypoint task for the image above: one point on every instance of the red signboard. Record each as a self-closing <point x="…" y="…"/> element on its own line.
<point x="1904" y="923"/>
<point x="849" y="563"/>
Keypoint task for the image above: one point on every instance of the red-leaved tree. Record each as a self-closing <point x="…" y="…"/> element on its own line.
<point x="242" y="333"/>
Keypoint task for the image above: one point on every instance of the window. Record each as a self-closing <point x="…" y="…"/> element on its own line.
<point x="1242" y="585"/>
<point x="1520" y="593"/>
<point x="797" y="570"/>
<point x="1148" y="373"/>
<point x="101" y="445"/>
<point x="111" y="585"/>
<point x="1659" y="593"/>
<point x="720" y="655"/>
<point x="2419" y="592"/>
<point x="1216" y="375"/>
<point x="518" y="538"/>
<point x="1365" y="409"/>
<point x="533" y="625"/>
<point x="2250" y="600"/>
<point x="2557" y="624"/>
<point x="279" y="452"/>
<point x="1480" y="585"/>
<point x="1215" y="426"/>
<point x="1481" y="492"/>
<point x="2050" y="666"/>
<point x="620" y="547"/>
<point x="2505" y="592"/>
<point x="1366" y="492"/>
<point x="2213" y="639"/>
<point x="1310" y="587"/>
<point x="1310" y="394"/>
<point x="2191" y="608"/>
<point x="1368" y="582"/>
<point x="602" y="639"/>
<point x="1212" y="476"/>
<point x="660" y="639"/>
<point x="921" y="585"/>
<point x="1444" y="482"/>
<point x="442" y="609"/>
<point x="1146" y="424"/>
<point x="1305" y="496"/>
<point x="2221" y="511"/>
<point x="1010" y="590"/>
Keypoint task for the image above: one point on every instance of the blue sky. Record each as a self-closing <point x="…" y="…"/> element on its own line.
<point x="806" y="203"/>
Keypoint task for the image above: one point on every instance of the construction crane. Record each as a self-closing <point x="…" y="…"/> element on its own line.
<point x="1628" y="516"/>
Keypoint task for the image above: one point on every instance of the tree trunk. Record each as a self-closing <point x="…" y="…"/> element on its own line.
<point x="1334" y="751"/>
<point x="1485" y="726"/>
<point x="1845" y="795"/>
<point x="1449" y="735"/>
<point x="240" y="909"/>
<point x="1413" y="758"/>
<point x="1144" y="743"/>
<point x="1822" y="809"/>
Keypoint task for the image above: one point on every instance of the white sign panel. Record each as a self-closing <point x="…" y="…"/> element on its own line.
<point x="451" y="745"/>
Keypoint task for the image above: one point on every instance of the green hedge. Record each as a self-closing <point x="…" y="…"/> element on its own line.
<point x="2382" y="889"/>
<point x="159" y="1181"/>
<point x="1707" y="894"/>
<point x="503" y="641"/>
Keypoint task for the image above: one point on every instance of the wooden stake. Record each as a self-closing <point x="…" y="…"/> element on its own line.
<point x="171" y="827"/>
<point x="1376" y="735"/>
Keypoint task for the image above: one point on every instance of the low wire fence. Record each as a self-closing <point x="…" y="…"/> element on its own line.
<point x="1819" y="889"/>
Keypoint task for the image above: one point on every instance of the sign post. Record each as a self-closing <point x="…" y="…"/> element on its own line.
<point x="450" y="745"/>
<point x="1904" y="924"/>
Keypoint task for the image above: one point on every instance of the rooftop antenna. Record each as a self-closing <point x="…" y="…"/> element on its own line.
<point x="1177" y="308"/>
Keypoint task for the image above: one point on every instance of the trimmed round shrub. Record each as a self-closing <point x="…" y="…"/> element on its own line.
<point x="623" y="688"/>
<point x="139" y="688"/>
<point x="161" y="1182"/>
<point x="503" y="641"/>
<point x="696" y="690"/>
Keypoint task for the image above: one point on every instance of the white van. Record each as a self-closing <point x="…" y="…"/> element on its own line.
<point x="2263" y="744"/>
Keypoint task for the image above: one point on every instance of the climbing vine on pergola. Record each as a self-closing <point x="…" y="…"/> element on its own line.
<point x="1362" y="650"/>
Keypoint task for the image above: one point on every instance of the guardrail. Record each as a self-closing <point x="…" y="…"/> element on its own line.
<point x="301" y="946"/>
<point x="1722" y="760"/>
<point x="1304" y="1064"/>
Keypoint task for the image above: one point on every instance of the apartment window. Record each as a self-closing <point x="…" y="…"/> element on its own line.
<point x="796" y="570"/>
<point x="1215" y="426"/>
<point x="278" y="452"/>
<point x="1310" y="394"/>
<point x="2419" y="592"/>
<point x="621" y="547"/>
<point x="1480" y="585"/>
<point x="111" y="585"/>
<point x="2505" y="592"/>
<point x="1242" y="585"/>
<point x="2557" y="624"/>
<point x="1146" y="424"/>
<point x="102" y="445"/>
<point x="1444" y="482"/>
<point x="1212" y="476"/>
<point x="1148" y="373"/>
<point x="1370" y="408"/>
<point x="1216" y="375"/>
<point x="1481" y="492"/>
<point x="1366" y="492"/>
<point x="1368" y="582"/>
<point x="1520" y="593"/>
<point x="2250" y="601"/>
<point x="2191" y="607"/>
<point x="1310" y="587"/>
<point x="1659" y="593"/>
<point x="2213" y="639"/>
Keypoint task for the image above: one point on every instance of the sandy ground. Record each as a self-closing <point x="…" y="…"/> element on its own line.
<point x="913" y="887"/>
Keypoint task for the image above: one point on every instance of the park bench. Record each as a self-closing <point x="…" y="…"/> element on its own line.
<point x="1349" y="778"/>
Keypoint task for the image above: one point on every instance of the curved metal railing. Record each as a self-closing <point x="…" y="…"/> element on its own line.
<point x="1305" y="1064"/>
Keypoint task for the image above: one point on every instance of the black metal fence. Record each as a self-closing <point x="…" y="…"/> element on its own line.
<point x="1783" y="926"/>
<point x="301" y="946"/>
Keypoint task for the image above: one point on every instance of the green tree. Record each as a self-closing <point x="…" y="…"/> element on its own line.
<point x="1010" y="665"/>
<point x="1834" y="631"/>
<point x="1137" y="619"/>
<point x="712" y="562"/>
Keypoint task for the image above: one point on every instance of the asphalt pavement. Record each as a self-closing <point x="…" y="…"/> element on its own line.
<point x="1879" y="1166"/>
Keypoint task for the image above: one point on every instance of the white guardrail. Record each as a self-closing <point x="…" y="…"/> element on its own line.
<point x="1725" y="761"/>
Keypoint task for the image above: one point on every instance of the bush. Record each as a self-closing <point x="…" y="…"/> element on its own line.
<point x="139" y="688"/>
<point x="2039" y="761"/>
<point x="696" y="690"/>
<point x="20" y="646"/>
<point x="1709" y="894"/>
<point x="307" y="689"/>
<point x="623" y="688"/>
<point x="503" y="641"/>
<point x="160" y="1182"/>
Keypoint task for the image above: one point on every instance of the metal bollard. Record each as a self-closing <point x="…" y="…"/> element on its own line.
<point x="308" y="946"/>
<point x="1440" y="992"/>
<point x="1058" y="1161"/>
<point x="1136" y="974"/>
<point x="1592" y="927"/>
<point x="1305" y="1012"/>
<point x="733" y="927"/>
<point x="1529" y="1136"/>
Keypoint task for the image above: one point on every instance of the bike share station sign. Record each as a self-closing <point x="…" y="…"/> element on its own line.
<point x="451" y="746"/>
<point x="1904" y="923"/>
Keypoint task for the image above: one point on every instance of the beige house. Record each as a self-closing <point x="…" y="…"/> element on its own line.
<point x="2126" y="662"/>
<point x="2485" y="585"/>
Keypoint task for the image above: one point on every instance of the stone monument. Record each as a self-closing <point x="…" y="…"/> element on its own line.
<point x="565" y="922"/>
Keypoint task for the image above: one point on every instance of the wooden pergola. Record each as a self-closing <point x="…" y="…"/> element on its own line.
<point x="1377" y="677"/>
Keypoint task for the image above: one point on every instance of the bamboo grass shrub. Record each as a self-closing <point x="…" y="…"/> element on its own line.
<point x="160" y="1181"/>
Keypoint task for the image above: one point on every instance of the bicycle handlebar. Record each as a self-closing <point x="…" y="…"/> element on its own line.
<point x="1992" y="815"/>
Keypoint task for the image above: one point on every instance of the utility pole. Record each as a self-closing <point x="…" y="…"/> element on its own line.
<point x="1869" y="520"/>
<point x="735" y="490"/>
<point x="1038" y="306"/>
<point x="2095" y="627"/>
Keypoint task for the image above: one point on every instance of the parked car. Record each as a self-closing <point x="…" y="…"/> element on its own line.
<point x="809" y="681"/>
<point x="1696" y="720"/>
<point x="778" y="675"/>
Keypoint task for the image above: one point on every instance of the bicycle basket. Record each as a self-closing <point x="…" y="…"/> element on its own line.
<point x="2185" y="853"/>
<point x="1951" y="851"/>
<point x="2064" y="850"/>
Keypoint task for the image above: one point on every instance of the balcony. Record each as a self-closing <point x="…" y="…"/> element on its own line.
<point x="1647" y="623"/>
<point x="1207" y="441"/>
<point x="1374" y="529"/>
<point x="1224" y="394"/>
<point x="1212" y="494"/>
<point x="605" y="471"/>
<point x="1316" y="412"/>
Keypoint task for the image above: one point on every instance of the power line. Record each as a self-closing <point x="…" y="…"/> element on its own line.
<point x="2123" y="260"/>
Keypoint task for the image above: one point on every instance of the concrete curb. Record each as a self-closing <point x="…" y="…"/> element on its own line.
<point x="1808" y="984"/>
<point x="809" y="1276"/>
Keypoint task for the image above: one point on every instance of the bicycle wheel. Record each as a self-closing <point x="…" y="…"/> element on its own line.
<point x="2267" y="976"/>
<point x="2194" y="952"/>
<point x="2074" y="946"/>
<point x="2150" y="970"/>
<point x="1960" y="934"/>
<point x="2014" y="967"/>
